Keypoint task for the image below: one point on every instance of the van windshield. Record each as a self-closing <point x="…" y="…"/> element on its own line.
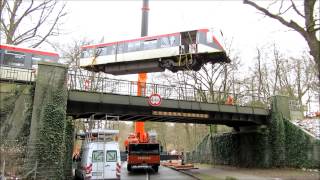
<point x="143" y="148"/>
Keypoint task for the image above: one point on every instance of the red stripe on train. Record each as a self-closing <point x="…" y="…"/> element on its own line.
<point x="26" y="50"/>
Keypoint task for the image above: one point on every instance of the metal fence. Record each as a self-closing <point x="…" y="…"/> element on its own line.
<point x="83" y="81"/>
<point x="99" y="84"/>
<point x="17" y="74"/>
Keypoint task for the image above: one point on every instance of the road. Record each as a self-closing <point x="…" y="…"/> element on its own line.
<point x="164" y="173"/>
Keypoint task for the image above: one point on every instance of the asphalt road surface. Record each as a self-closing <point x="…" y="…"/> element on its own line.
<point x="145" y="173"/>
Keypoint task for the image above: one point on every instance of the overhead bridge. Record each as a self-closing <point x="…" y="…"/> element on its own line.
<point x="179" y="104"/>
<point x="98" y="96"/>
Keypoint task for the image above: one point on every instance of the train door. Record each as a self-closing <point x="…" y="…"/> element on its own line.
<point x="188" y="42"/>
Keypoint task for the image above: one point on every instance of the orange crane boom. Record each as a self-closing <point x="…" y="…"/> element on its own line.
<point x="139" y="126"/>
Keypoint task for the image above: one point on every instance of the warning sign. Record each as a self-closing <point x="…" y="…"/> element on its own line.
<point x="154" y="100"/>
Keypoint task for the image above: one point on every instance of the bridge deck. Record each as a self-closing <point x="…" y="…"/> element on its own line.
<point x="83" y="104"/>
<point x="100" y="95"/>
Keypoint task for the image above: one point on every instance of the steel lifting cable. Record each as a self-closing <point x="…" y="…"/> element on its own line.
<point x="185" y="54"/>
<point x="191" y="58"/>
<point x="96" y="54"/>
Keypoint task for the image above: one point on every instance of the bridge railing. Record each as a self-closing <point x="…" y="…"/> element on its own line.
<point x="14" y="74"/>
<point x="175" y="92"/>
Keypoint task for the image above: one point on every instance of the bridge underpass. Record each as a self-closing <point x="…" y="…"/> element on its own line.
<point x="180" y="105"/>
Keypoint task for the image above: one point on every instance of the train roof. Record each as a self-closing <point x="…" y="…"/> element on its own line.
<point x="28" y="50"/>
<point x="137" y="39"/>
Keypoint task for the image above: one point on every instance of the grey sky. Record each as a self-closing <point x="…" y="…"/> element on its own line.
<point x="117" y="20"/>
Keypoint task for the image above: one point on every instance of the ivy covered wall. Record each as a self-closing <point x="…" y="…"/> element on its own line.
<point x="69" y="139"/>
<point x="247" y="149"/>
<point x="15" y="111"/>
<point x="15" y="119"/>
<point x="47" y="141"/>
<point x="281" y="144"/>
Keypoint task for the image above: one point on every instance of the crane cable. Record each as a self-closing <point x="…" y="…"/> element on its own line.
<point x="191" y="57"/>
<point x="186" y="55"/>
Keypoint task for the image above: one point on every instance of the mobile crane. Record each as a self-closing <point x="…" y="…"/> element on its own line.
<point x="140" y="148"/>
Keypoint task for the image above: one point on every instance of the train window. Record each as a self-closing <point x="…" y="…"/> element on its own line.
<point x="102" y="51"/>
<point x="134" y="46"/>
<point x="173" y="41"/>
<point x="14" y="59"/>
<point x="85" y="54"/>
<point x="202" y="37"/>
<point x="120" y="48"/>
<point x="150" y="44"/>
<point x="164" y="42"/>
<point x="209" y="37"/>
<point x="111" y="49"/>
<point x="97" y="52"/>
<point x="1" y="58"/>
<point x="35" y="59"/>
<point x="88" y="53"/>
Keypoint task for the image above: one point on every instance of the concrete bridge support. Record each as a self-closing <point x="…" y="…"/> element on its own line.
<point x="46" y="146"/>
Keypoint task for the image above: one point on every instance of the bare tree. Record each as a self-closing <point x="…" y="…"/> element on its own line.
<point x="308" y="30"/>
<point x="304" y="72"/>
<point x="71" y="53"/>
<point x="30" y="21"/>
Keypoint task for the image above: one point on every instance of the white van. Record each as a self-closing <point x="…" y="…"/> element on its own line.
<point x="99" y="160"/>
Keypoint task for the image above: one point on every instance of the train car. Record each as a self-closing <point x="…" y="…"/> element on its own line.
<point x="187" y="50"/>
<point x="19" y="64"/>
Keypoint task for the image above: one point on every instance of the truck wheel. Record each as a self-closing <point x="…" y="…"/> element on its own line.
<point x="129" y="168"/>
<point x="155" y="168"/>
<point x="78" y="175"/>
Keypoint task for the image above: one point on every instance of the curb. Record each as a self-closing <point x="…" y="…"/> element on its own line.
<point x="184" y="172"/>
<point x="189" y="174"/>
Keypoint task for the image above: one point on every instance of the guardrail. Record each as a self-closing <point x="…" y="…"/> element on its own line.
<point x="98" y="84"/>
<point x="14" y="74"/>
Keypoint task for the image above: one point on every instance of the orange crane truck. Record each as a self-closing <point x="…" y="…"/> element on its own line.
<point x="141" y="149"/>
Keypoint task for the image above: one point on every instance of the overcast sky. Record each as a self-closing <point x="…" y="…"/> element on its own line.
<point x="117" y="20"/>
<point x="112" y="20"/>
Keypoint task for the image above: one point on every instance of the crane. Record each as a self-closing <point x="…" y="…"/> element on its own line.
<point x="139" y="147"/>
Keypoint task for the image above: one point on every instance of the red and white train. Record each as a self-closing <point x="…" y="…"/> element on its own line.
<point x="187" y="50"/>
<point x="18" y="63"/>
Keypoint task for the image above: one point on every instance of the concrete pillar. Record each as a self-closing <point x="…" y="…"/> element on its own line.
<point x="281" y="104"/>
<point x="50" y="76"/>
<point x="50" y="79"/>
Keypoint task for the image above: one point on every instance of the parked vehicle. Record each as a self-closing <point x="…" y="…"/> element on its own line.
<point x="100" y="159"/>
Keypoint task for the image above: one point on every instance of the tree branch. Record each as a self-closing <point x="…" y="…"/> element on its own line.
<point x="296" y="9"/>
<point x="292" y="24"/>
